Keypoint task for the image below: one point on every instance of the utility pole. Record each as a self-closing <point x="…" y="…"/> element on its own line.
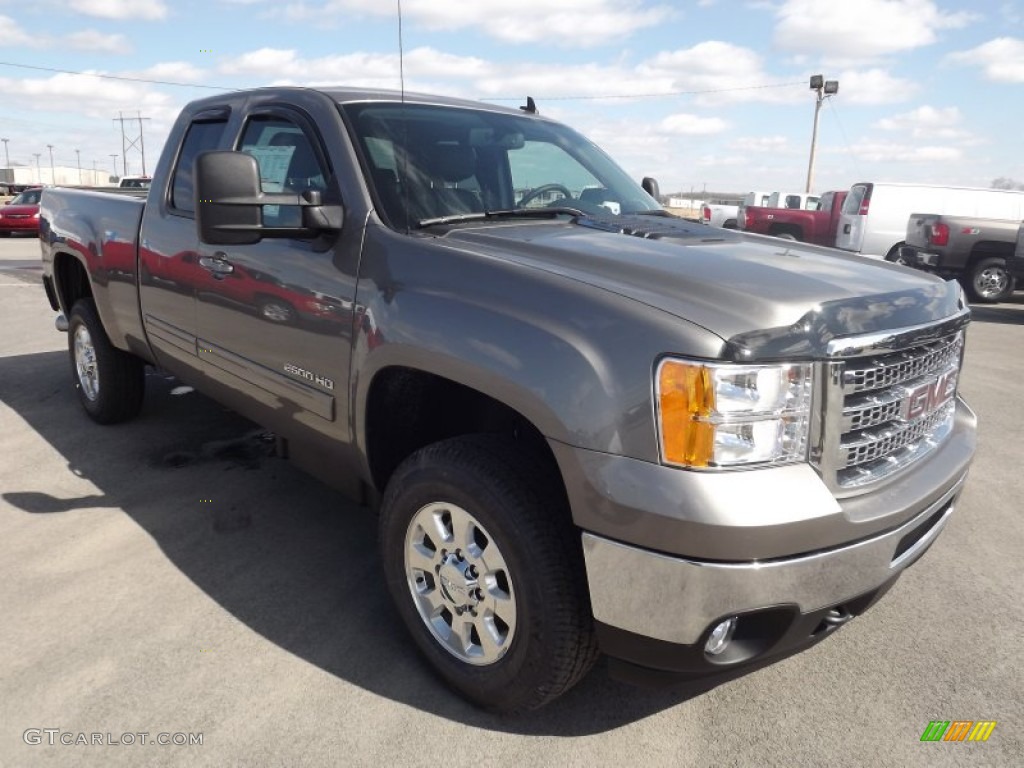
<point x="39" y="171"/>
<point x="134" y="143"/>
<point x="53" y="174"/>
<point x="115" y="164"/>
<point x="7" y="157"/>
<point x="79" y="156"/>
<point x="824" y="89"/>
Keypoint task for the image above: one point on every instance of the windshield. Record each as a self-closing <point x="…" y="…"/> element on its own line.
<point x="28" y="197"/>
<point x="429" y="162"/>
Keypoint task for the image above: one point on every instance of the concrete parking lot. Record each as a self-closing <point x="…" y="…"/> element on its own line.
<point x="170" y="576"/>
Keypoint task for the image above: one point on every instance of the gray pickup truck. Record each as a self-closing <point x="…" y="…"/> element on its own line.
<point x="969" y="248"/>
<point x="588" y="427"/>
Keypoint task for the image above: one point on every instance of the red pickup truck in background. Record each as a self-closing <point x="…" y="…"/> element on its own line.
<point x="818" y="226"/>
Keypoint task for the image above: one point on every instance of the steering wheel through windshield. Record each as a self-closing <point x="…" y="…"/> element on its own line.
<point x="538" y="191"/>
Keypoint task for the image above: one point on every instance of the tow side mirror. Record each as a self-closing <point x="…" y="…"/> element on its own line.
<point x="229" y="203"/>
<point x="651" y="188"/>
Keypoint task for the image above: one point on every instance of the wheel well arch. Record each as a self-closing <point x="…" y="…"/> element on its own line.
<point x="71" y="280"/>
<point x="988" y="248"/>
<point x="787" y="229"/>
<point x="408" y="409"/>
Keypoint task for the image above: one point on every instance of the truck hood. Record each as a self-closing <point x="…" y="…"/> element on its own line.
<point x="765" y="297"/>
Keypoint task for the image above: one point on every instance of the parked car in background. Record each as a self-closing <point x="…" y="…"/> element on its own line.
<point x="873" y="221"/>
<point x="969" y="248"/>
<point x="135" y="182"/>
<point x="721" y="213"/>
<point x="817" y="226"/>
<point x="797" y="201"/>
<point x="21" y="214"/>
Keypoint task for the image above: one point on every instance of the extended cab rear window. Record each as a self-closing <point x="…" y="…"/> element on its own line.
<point x="202" y="135"/>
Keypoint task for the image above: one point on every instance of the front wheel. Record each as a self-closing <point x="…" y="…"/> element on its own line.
<point x="990" y="281"/>
<point x="486" y="571"/>
<point x="110" y="383"/>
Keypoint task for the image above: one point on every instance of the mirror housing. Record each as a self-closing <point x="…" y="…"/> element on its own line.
<point x="650" y="186"/>
<point x="229" y="203"/>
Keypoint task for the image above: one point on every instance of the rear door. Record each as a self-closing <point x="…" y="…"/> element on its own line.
<point x="168" y="275"/>
<point x="850" y="229"/>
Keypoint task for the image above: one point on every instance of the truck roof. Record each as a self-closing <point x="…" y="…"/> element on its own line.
<point x="351" y="95"/>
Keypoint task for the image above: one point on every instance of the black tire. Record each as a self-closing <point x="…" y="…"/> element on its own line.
<point x="989" y="281"/>
<point x="277" y="311"/>
<point x="5" y="234"/>
<point x="894" y="256"/>
<point x="110" y="383"/>
<point x="522" y="511"/>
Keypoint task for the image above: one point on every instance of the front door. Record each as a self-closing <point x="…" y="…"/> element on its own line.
<point x="275" y="318"/>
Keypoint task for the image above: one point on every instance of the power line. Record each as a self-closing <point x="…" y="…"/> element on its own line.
<point x="661" y="94"/>
<point x="565" y="97"/>
<point x="842" y="131"/>
<point x="117" y="77"/>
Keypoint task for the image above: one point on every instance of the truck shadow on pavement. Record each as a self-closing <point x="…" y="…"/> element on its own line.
<point x="1008" y="312"/>
<point x="290" y="558"/>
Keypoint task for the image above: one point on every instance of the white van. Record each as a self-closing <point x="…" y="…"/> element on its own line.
<point x="873" y="221"/>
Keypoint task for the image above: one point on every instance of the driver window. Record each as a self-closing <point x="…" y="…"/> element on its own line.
<point x="287" y="163"/>
<point x="540" y="164"/>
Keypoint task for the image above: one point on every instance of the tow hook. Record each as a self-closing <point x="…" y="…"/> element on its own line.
<point x="62" y="323"/>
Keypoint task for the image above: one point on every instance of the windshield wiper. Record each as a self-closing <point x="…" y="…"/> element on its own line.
<point x="456" y="218"/>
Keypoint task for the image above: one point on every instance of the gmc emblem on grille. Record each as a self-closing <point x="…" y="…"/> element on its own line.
<point x="928" y="397"/>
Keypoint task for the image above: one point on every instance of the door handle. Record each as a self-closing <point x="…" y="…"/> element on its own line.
<point x="218" y="264"/>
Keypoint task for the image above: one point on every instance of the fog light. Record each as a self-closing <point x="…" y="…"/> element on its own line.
<point x="720" y="637"/>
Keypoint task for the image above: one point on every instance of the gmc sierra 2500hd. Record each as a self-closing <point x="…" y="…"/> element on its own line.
<point x="590" y="426"/>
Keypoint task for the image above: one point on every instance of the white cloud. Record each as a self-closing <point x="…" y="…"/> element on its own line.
<point x="862" y="29"/>
<point x="150" y="10"/>
<point x="14" y="36"/>
<point x="1002" y="59"/>
<point x="92" y="40"/>
<point x="724" y="72"/>
<point x="926" y="122"/>
<point x="873" y="86"/>
<point x="769" y="144"/>
<point x="569" y="23"/>
<point x="682" y="124"/>
<point x="171" y="72"/>
<point x="894" y="152"/>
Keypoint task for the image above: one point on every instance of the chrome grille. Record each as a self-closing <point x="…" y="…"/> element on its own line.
<point x="902" y="366"/>
<point x="877" y="437"/>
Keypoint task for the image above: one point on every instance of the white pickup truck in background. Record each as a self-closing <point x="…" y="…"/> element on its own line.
<point x="720" y="213"/>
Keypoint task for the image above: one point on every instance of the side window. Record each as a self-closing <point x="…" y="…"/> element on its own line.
<point x="287" y="164"/>
<point x="792" y="201"/>
<point x="201" y="136"/>
<point x="285" y="155"/>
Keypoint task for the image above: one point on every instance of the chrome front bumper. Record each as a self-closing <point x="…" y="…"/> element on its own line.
<point x="676" y="600"/>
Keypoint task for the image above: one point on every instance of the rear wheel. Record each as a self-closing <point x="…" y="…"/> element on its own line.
<point x="110" y="383"/>
<point x="486" y="571"/>
<point x="990" y="281"/>
<point x="895" y="256"/>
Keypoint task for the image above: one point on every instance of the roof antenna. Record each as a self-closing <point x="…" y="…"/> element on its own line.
<point x="531" y="107"/>
<point x="403" y="158"/>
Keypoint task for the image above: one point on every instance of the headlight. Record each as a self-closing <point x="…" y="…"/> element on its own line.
<point x="724" y="415"/>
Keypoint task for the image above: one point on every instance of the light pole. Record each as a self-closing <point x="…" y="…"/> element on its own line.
<point x="53" y="174"/>
<point x="7" y="157"/>
<point x="824" y="88"/>
<point x="79" y="156"/>
<point x="39" y="171"/>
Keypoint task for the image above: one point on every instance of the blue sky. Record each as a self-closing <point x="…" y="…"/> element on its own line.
<point x="697" y="93"/>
